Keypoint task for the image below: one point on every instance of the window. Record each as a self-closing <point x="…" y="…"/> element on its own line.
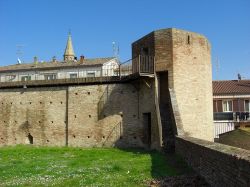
<point x="73" y="75"/>
<point x="10" y="77"/>
<point x="50" y="76"/>
<point x="144" y="51"/>
<point x="247" y="105"/>
<point x="26" y="78"/>
<point x="227" y="106"/>
<point x="188" y="39"/>
<point x="90" y="74"/>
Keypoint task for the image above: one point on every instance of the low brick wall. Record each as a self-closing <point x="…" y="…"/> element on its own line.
<point x="219" y="164"/>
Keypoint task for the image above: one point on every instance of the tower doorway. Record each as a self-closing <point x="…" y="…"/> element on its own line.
<point x="147" y="128"/>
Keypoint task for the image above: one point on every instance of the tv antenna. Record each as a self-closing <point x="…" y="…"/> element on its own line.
<point x="217" y="67"/>
<point x="116" y="50"/>
<point x="19" y="53"/>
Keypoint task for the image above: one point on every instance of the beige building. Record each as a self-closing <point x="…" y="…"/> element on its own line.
<point x="70" y="67"/>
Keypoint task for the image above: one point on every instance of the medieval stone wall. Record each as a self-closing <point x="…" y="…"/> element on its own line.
<point x="39" y="112"/>
<point x="219" y="164"/>
<point x="87" y="116"/>
<point x="192" y="83"/>
<point x="185" y="56"/>
<point x="147" y="105"/>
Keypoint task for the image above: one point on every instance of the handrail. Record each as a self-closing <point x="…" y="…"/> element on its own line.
<point x="232" y="116"/>
<point x="140" y="65"/>
<point x="158" y="113"/>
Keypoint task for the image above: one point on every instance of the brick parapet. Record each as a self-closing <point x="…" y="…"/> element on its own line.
<point x="219" y="164"/>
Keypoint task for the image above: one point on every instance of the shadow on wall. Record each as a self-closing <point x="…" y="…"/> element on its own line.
<point x="24" y="129"/>
<point x="120" y="101"/>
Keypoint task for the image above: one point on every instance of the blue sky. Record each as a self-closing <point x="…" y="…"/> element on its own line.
<point x="41" y="27"/>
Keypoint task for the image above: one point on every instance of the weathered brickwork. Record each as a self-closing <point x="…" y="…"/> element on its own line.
<point x="159" y="45"/>
<point x="88" y="116"/>
<point x="38" y="112"/>
<point x="192" y="83"/>
<point x="185" y="56"/>
<point x="103" y="115"/>
<point x="219" y="164"/>
<point x="147" y="105"/>
<point x="121" y="114"/>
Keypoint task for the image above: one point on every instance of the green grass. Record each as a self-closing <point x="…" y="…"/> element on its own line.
<point x="43" y="166"/>
<point x="237" y="138"/>
<point x="246" y="129"/>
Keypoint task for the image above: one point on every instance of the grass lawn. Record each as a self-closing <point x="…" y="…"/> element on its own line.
<point x="43" y="166"/>
<point x="237" y="138"/>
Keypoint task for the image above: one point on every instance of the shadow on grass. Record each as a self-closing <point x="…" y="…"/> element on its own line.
<point x="163" y="164"/>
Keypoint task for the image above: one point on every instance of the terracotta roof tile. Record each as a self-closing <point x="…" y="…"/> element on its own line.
<point x="53" y="65"/>
<point x="231" y="87"/>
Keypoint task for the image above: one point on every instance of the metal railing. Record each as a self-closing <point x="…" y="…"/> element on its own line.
<point x="221" y="127"/>
<point x="139" y="66"/>
<point x="231" y="116"/>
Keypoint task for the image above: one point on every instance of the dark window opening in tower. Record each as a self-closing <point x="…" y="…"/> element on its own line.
<point x="188" y="39"/>
<point x="145" y="51"/>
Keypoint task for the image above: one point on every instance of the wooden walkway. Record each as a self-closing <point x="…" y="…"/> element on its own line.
<point x="141" y="66"/>
<point x="66" y="82"/>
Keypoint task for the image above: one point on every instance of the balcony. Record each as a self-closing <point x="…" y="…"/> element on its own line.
<point x="232" y="116"/>
<point x="142" y="65"/>
<point x="129" y="70"/>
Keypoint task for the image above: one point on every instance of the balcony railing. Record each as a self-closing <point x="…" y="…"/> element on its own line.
<point x="130" y="69"/>
<point x="142" y="65"/>
<point x="231" y="116"/>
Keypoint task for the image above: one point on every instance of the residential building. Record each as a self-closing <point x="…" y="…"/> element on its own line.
<point x="70" y="67"/>
<point x="231" y="105"/>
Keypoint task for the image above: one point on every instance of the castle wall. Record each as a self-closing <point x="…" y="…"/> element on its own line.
<point x="185" y="56"/>
<point x="103" y="115"/>
<point x="85" y="116"/>
<point x="220" y="165"/>
<point x="39" y="112"/>
<point x="192" y="83"/>
<point x="147" y="105"/>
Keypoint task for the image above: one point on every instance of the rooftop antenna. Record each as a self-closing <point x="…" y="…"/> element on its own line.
<point x="116" y="50"/>
<point x="19" y="53"/>
<point x="239" y="76"/>
<point x="217" y="67"/>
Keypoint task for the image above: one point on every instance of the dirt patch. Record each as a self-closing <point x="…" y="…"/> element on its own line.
<point x="182" y="180"/>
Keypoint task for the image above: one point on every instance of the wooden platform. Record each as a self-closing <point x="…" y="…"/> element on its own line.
<point x="75" y="81"/>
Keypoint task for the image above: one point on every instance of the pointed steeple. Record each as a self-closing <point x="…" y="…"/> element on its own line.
<point x="69" y="54"/>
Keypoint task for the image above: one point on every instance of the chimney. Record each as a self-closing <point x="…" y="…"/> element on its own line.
<point x="239" y="77"/>
<point x="81" y="59"/>
<point x="54" y="59"/>
<point x="35" y="59"/>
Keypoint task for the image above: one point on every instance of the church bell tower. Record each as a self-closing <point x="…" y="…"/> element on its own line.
<point x="69" y="54"/>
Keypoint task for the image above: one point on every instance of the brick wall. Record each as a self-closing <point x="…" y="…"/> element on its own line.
<point x="39" y="112"/>
<point x="186" y="58"/>
<point x="90" y="115"/>
<point x="192" y="83"/>
<point x="219" y="164"/>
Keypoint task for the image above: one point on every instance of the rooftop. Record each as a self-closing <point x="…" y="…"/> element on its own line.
<point x="231" y="87"/>
<point x="55" y="65"/>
